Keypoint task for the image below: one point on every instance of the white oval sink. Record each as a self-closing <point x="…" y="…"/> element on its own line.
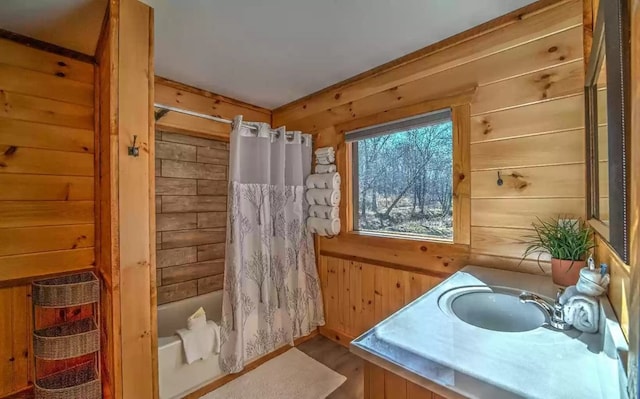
<point x="492" y="308"/>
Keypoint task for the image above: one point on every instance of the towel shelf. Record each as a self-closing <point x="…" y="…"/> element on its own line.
<point x="82" y="381"/>
<point x="67" y="340"/>
<point x="66" y="291"/>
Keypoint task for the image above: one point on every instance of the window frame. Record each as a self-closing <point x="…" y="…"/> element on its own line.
<point x="401" y="125"/>
<point x="461" y="179"/>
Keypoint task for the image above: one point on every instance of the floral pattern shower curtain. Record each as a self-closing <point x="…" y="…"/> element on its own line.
<point x="271" y="285"/>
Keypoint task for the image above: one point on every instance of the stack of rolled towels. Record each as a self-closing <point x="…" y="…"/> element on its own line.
<point x="323" y="195"/>
<point x="325" y="156"/>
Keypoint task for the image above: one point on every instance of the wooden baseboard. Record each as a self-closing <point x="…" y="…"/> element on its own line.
<point x="336" y="336"/>
<point x="225" y="379"/>
<point x="301" y="340"/>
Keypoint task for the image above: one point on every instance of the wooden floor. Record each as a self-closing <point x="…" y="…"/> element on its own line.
<point x="339" y="359"/>
<point x="327" y="352"/>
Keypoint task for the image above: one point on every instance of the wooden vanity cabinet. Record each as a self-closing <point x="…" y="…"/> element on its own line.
<point x="383" y="384"/>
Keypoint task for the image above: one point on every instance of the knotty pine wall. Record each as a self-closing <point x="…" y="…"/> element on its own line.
<point x="191" y="215"/>
<point x="380" y="383"/>
<point x="172" y="93"/>
<point x="526" y="121"/>
<point x="47" y="187"/>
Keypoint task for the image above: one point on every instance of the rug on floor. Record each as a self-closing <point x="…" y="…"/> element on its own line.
<point x="292" y="375"/>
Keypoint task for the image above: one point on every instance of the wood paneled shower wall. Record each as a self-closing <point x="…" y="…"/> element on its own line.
<point x="526" y="122"/>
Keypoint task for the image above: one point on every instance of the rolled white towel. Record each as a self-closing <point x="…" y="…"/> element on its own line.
<point x="326" y="168"/>
<point x="325" y="180"/>
<point x="324" y="151"/>
<point x="324" y="227"/>
<point x="323" y="196"/>
<point x="568" y="293"/>
<point x="323" y="211"/>
<point x="328" y="160"/>
<point x="582" y="312"/>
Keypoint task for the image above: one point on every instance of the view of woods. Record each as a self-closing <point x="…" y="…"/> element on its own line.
<point x="405" y="182"/>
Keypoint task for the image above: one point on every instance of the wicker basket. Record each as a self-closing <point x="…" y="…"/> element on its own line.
<point x="67" y="340"/>
<point x="72" y="290"/>
<point x="80" y="382"/>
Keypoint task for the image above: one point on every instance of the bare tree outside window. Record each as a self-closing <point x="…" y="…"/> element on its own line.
<point x="404" y="182"/>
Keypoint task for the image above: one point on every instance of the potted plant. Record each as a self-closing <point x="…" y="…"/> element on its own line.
<point x="567" y="241"/>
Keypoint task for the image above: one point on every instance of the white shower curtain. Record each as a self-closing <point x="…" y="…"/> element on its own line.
<point x="271" y="285"/>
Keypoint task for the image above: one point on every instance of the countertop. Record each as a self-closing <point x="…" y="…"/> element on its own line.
<point x="438" y="351"/>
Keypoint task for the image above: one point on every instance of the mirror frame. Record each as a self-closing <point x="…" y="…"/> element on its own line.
<point x="611" y="38"/>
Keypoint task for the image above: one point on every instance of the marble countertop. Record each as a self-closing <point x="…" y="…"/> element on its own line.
<point x="438" y="351"/>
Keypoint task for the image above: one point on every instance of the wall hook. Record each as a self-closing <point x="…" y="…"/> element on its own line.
<point x="160" y="113"/>
<point x="500" y="182"/>
<point x="134" y="150"/>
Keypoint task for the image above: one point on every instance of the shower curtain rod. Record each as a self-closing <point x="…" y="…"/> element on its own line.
<point x="248" y="125"/>
<point x="199" y="115"/>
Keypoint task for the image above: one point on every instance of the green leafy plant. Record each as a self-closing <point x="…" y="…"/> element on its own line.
<point x="565" y="239"/>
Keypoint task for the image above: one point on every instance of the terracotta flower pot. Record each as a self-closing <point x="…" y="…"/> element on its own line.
<point x="566" y="272"/>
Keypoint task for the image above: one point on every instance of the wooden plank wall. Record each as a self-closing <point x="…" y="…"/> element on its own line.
<point x="46" y="163"/>
<point x="357" y="295"/>
<point x="526" y="122"/>
<point x="175" y="94"/>
<point x="191" y="215"/>
<point x="47" y="179"/>
<point x="136" y="202"/>
<point x="107" y="195"/>
<point x="16" y="365"/>
<point x="380" y="383"/>
<point x="127" y="202"/>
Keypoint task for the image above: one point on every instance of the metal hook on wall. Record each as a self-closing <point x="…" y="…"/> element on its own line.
<point x="500" y="182"/>
<point x="134" y="150"/>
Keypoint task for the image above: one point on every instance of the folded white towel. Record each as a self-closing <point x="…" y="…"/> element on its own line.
<point x="325" y="168"/>
<point x="200" y="341"/>
<point x="582" y="312"/>
<point x="323" y="196"/>
<point x="324" y="180"/>
<point x="324" y="211"/>
<point x="324" y="227"/>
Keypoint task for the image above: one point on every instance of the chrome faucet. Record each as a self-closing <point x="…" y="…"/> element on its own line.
<point x="555" y="312"/>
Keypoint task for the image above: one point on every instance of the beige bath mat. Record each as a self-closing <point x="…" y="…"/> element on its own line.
<point x="292" y="375"/>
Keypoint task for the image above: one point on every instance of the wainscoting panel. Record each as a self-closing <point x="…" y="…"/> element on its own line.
<point x="358" y="295"/>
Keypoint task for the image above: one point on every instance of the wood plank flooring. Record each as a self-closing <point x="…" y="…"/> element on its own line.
<point x="339" y="359"/>
<point x="327" y="352"/>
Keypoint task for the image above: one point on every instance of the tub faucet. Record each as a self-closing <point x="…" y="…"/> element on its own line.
<point x="555" y="312"/>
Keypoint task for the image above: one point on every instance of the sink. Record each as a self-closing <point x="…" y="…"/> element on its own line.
<point x="492" y="308"/>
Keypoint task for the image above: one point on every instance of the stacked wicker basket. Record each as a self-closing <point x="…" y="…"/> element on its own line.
<point x="69" y="340"/>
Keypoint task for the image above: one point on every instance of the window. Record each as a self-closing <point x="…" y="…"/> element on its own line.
<point x="402" y="176"/>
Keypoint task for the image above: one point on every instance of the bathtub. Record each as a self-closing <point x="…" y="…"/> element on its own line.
<point x="177" y="378"/>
